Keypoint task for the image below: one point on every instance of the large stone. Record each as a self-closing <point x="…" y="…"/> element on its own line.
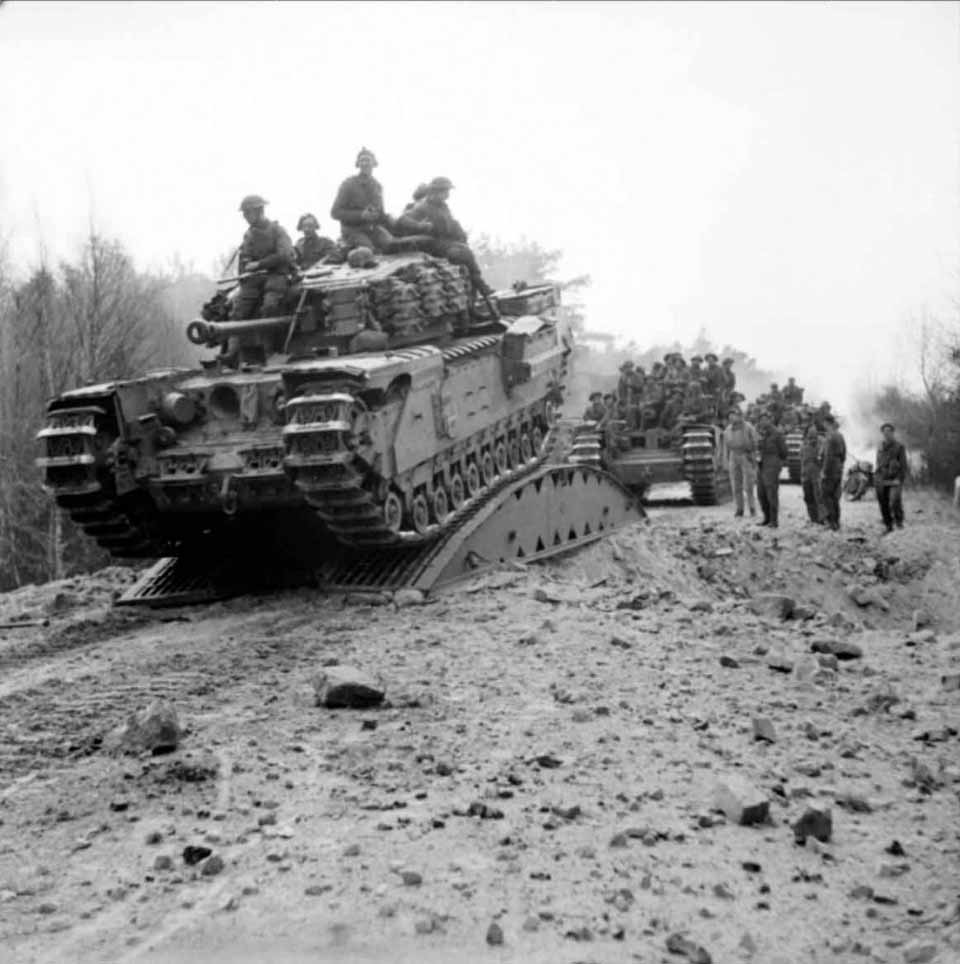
<point x="741" y="802"/>
<point x="814" y="823"/>
<point x="154" y="730"/>
<point x="777" y="659"/>
<point x="408" y="597"/>
<point x="763" y="729"/>
<point x="346" y="687"/>
<point x="773" y="606"/>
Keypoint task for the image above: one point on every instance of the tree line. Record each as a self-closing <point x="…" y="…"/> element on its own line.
<point x="89" y="319"/>
<point x="927" y="417"/>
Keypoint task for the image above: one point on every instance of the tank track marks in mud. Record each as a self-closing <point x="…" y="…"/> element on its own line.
<point x="366" y="512"/>
<point x="701" y="465"/>
<point x="76" y="442"/>
<point x="794" y="442"/>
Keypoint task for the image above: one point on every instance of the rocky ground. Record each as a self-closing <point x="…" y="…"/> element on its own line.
<point x="558" y="773"/>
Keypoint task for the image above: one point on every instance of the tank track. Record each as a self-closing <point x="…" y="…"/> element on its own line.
<point x="699" y="465"/>
<point x="794" y="442"/>
<point x="77" y="441"/>
<point x="365" y="512"/>
<point x="359" y="517"/>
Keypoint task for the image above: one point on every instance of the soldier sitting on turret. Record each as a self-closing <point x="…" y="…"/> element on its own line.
<point x="358" y="207"/>
<point x="311" y="247"/>
<point x="267" y="254"/>
<point x="432" y="216"/>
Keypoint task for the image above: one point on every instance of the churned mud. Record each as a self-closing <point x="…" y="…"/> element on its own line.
<point x="540" y="782"/>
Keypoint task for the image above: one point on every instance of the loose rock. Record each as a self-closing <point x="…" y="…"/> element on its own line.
<point x="773" y="606"/>
<point x="154" y="730"/>
<point x="494" y="935"/>
<point x="338" y="687"/>
<point x="682" y="946"/>
<point x="741" y="802"/>
<point x="814" y="823"/>
<point x="763" y="729"/>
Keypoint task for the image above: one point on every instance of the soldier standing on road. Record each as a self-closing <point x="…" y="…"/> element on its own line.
<point x="772" y="451"/>
<point x="358" y="207"/>
<point x="267" y="253"/>
<point x="891" y="471"/>
<point x="312" y="247"/>
<point x="831" y="474"/>
<point x="811" y="458"/>
<point x="740" y="441"/>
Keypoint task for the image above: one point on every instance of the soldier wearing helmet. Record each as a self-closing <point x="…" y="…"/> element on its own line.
<point x="267" y="253"/>
<point x="311" y="247"/>
<point x="432" y="216"/>
<point x="419" y="193"/>
<point x="358" y="207"/>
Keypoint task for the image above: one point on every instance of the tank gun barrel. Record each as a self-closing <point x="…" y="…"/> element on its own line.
<point x="212" y="333"/>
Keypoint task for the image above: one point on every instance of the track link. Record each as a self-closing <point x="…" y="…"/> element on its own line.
<point x="77" y="442"/>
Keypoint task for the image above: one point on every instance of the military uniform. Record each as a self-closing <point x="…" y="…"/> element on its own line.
<point x="772" y="450"/>
<point x="740" y="442"/>
<point x="312" y="248"/>
<point x="889" y="476"/>
<point x="811" y="457"/>
<point x="792" y="393"/>
<point x="358" y="194"/>
<point x="831" y="477"/>
<point x="447" y="237"/>
<point x="267" y="244"/>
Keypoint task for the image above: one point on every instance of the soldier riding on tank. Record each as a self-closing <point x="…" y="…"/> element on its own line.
<point x="358" y="207"/>
<point x="431" y="216"/>
<point x="266" y="260"/>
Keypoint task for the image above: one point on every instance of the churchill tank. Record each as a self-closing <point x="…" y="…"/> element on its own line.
<point x="383" y="413"/>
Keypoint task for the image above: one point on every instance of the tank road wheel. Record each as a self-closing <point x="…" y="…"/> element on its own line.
<point x="441" y="502"/>
<point x="420" y="513"/>
<point x="513" y="452"/>
<point x="473" y="479"/>
<point x="458" y="493"/>
<point x="526" y="447"/>
<point x="488" y="471"/>
<point x="500" y="458"/>
<point x="393" y="512"/>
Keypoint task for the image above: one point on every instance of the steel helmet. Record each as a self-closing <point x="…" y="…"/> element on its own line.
<point x="253" y="201"/>
<point x="440" y="184"/>
<point x="360" y="257"/>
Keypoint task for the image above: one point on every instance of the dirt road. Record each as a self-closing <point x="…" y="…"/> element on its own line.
<point x="547" y="760"/>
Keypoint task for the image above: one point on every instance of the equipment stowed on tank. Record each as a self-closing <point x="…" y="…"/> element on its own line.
<point x="384" y="411"/>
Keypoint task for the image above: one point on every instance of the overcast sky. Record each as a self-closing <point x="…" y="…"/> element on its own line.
<point x="785" y="175"/>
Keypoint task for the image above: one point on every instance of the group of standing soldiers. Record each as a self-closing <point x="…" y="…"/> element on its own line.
<point x="757" y="456"/>
<point x="672" y="394"/>
<point x="268" y="259"/>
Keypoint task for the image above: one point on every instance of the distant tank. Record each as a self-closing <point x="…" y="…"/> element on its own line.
<point x="377" y="412"/>
<point x="694" y="454"/>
